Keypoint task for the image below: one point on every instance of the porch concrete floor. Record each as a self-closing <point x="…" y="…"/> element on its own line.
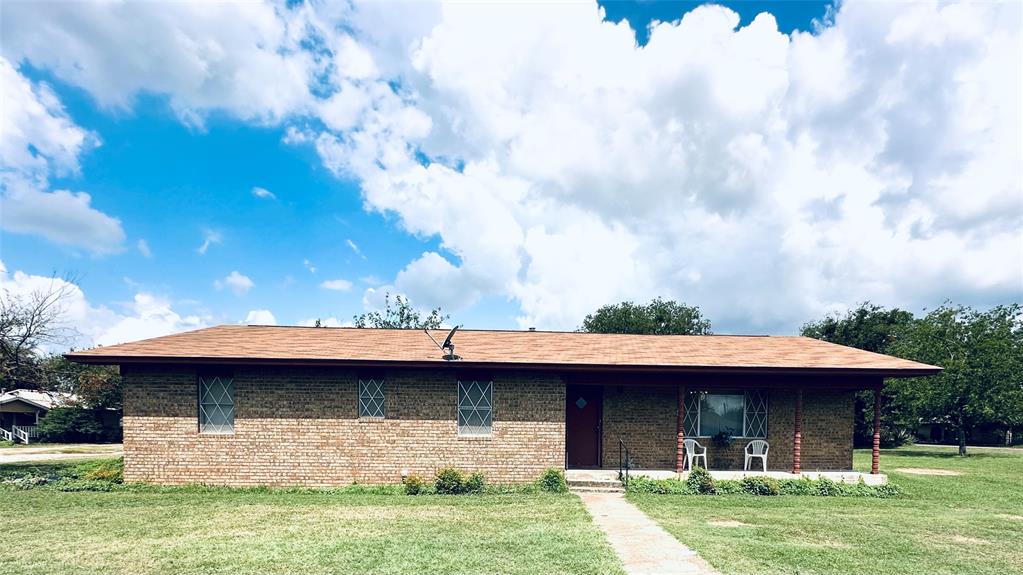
<point x="644" y="547"/>
<point x="851" y="477"/>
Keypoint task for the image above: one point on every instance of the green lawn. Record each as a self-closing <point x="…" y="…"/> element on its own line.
<point x="191" y="531"/>
<point x="966" y="524"/>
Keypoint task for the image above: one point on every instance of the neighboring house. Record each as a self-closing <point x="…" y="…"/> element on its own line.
<point x="21" y="409"/>
<point x="262" y="405"/>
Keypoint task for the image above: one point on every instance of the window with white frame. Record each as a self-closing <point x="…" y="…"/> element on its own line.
<point x="216" y="404"/>
<point x="740" y="414"/>
<point x="475" y="406"/>
<point x="371" y="397"/>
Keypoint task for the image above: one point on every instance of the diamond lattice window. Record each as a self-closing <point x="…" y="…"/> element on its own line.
<point x="475" y="407"/>
<point x="691" y="423"/>
<point x="756" y="414"/>
<point x="371" y="398"/>
<point x="216" y="404"/>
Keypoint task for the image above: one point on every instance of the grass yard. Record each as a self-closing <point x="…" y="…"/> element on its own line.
<point x="970" y="523"/>
<point x="236" y="531"/>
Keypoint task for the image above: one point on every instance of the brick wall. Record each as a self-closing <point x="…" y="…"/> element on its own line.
<point x="645" y="418"/>
<point x="301" y="427"/>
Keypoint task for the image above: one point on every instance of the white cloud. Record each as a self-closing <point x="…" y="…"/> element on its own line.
<point x="325" y="322"/>
<point x="147" y="315"/>
<point x="62" y="217"/>
<point x="762" y="176"/>
<point x="143" y="247"/>
<point x="337" y="285"/>
<point x="309" y="266"/>
<point x="209" y="238"/>
<point x="263" y="193"/>
<point x="236" y="282"/>
<point x="260" y="317"/>
<point x="37" y="140"/>
<point x="244" y="57"/>
<point x="355" y="248"/>
<point x="766" y="177"/>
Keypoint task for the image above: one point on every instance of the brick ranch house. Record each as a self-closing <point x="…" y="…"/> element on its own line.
<point x="266" y="405"/>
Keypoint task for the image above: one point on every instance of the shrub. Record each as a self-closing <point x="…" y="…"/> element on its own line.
<point x="700" y="481"/>
<point x="825" y="487"/>
<point x="413" y="485"/>
<point x="803" y="486"/>
<point x="450" y="481"/>
<point x="552" y="480"/>
<point x="475" y="483"/>
<point x="108" y="471"/>
<point x="5" y="443"/>
<point x="887" y="490"/>
<point x="71" y="425"/>
<point x="757" y="485"/>
<point x="728" y="487"/>
<point x="643" y="484"/>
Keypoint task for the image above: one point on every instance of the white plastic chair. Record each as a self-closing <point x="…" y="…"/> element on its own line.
<point x="691" y="452"/>
<point x="756" y="448"/>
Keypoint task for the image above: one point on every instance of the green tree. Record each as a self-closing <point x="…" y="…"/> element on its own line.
<point x="96" y="386"/>
<point x="400" y="315"/>
<point x="982" y="357"/>
<point x="659" y="317"/>
<point x="872" y="328"/>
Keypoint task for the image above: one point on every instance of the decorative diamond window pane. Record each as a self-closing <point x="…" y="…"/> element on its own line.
<point x="474" y="407"/>
<point x="371" y="398"/>
<point x="581" y="403"/>
<point x="216" y="404"/>
<point x="756" y="414"/>
<point x="691" y="422"/>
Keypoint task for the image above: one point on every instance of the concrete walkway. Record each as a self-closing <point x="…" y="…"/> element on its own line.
<point x="644" y="547"/>
<point x="58" y="452"/>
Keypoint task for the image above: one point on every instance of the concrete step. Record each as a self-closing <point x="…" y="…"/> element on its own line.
<point x="577" y="489"/>
<point x="594" y="482"/>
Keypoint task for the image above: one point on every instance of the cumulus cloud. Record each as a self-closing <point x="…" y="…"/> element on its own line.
<point x="147" y="315"/>
<point x="769" y="178"/>
<point x="37" y="140"/>
<point x="260" y="317"/>
<point x="263" y="193"/>
<point x="243" y="58"/>
<point x="336" y="285"/>
<point x="238" y="283"/>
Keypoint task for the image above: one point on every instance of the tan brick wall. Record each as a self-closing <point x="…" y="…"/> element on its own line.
<point x="645" y="418"/>
<point x="301" y="427"/>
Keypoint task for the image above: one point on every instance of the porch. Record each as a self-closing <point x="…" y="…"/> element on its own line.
<point x="610" y="475"/>
<point x="806" y="421"/>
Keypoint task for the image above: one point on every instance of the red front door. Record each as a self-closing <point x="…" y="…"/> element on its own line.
<point x="582" y="425"/>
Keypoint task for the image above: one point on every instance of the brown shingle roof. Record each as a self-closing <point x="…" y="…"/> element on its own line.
<point x="302" y="345"/>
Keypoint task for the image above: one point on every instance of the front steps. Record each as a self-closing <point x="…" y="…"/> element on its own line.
<point x="580" y="481"/>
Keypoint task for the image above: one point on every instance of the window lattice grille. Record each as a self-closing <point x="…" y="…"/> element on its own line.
<point x="371" y="398"/>
<point x="475" y="408"/>
<point x="216" y="405"/>
<point x="691" y="423"/>
<point x="756" y="414"/>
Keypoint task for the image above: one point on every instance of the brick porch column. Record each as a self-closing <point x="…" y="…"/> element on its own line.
<point x="680" y="428"/>
<point x="875" y="452"/>
<point x="797" y="436"/>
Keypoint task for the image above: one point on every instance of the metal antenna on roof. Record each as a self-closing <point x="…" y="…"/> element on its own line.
<point x="448" y="347"/>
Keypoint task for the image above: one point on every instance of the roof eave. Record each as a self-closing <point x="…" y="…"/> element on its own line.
<point x="96" y="359"/>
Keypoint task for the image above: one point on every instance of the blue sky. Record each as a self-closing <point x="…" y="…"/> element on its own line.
<point x="481" y="217"/>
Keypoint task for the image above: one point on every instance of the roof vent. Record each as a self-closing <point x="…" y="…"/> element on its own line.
<point x="448" y="347"/>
